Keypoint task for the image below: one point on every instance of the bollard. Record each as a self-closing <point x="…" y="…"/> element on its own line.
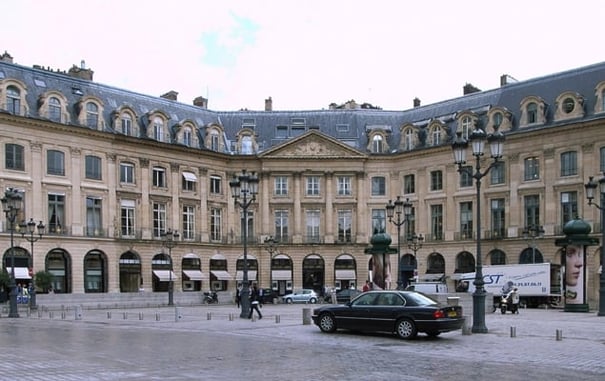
<point x="306" y="316"/>
<point x="178" y="314"/>
<point x="50" y="314"/>
<point x="513" y="331"/>
<point x="108" y="314"/>
<point x="253" y="318"/>
<point x="209" y="316"/>
<point x="277" y="318"/>
<point x="231" y="317"/>
<point x="63" y="315"/>
<point x="157" y="316"/>
<point x="559" y="335"/>
<point x="140" y="316"/>
<point x="125" y="315"/>
<point x="78" y="313"/>
<point x="39" y="314"/>
<point x="466" y="328"/>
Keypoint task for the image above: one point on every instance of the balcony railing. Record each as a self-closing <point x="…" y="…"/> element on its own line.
<point x="495" y="234"/>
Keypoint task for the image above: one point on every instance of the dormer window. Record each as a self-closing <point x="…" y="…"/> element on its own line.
<point x="532" y="111"/>
<point x="466" y="127"/>
<point x="497" y="119"/>
<point x="377" y="144"/>
<point x="54" y="109"/>
<point x="92" y="115"/>
<point x="126" y="124"/>
<point x="569" y="105"/>
<point x="187" y="137"/>
<point x="13" y="100"/>
<point x="158" y="129"/>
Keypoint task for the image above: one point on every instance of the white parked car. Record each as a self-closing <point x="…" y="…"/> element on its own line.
<point x="302" y="296"/>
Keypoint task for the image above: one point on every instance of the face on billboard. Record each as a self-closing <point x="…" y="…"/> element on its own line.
<point x="574" y="271"/>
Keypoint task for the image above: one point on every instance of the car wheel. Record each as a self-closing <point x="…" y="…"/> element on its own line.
<point x="503" y="310"/>
<point x="312" y="300"/>
<point x="406" y="329"/>
<point x="289" y="301"/>
<point x="327" y="323"/>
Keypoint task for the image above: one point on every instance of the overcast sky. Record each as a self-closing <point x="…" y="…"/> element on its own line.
<point x="305" y="54"/>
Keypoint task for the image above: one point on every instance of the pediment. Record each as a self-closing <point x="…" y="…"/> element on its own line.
<point x="313" y="145"/>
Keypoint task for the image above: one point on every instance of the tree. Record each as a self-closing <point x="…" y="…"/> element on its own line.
<point x="44" y="280"/>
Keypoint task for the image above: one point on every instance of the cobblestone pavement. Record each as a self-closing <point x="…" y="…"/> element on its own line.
<point x="214" y="343"/>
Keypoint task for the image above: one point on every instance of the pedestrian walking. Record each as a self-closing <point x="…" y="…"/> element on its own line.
<point x="254" y="302"/>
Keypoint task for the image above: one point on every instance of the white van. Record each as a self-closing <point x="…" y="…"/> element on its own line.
<point x="428" y="287"/>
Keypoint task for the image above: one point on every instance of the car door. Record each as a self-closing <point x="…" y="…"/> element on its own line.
<point x="387" y="306"/>
<point x="356" y="316"/>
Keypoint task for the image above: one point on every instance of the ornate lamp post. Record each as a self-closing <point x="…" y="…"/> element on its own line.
<point x="244" y="188"/>
<point x="170" y="242"/>
<point x="530" y="233"/>
<point x="399" y="208"/>
<point x="477" y="140"/>
<point x="591" y="186"/>
<point x="12" y="202"/>
<point x="29" y="228"/>
<point x="415" y="243"/>
<point x="271" y="247"/>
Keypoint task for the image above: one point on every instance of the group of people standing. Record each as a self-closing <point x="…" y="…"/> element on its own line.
<point x="255" y="298"/>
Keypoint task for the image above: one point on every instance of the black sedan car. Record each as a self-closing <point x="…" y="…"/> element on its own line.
<point x="402" y="312"/>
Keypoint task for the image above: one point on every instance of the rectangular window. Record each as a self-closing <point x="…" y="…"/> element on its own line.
<point x="497" y="218"/>
<point x="188" y="222"/>
<point x="569" y="164"/>
<point x="345" y="223"/>
<point x="569" y="206"/>
<point x="466" y="179"/>
<point x="215" y="224"/>
<point x="215" y="185"/>
<point x="532" y="210"/>
<point x="126" y="125"/>
<point x="281" y="132"/>
<point x="189" y="181"/>
<point x="281" y="225"/>
<point x="312" y="186"/>
<point x="312" y="217"/>
<point x="437" y="222"/>
<point x="409" y="228"/>
<point x="94" y="213"/>
<point x="436" y="180"/>
<point x="93" y="167"/>
<point x="532" y="169"/>
<point x="344" y="186"/>
<point x="159" y="177"/>
<point x="248" y="225"/>
<point x="159" y="219"/>
<point x="56" y="213"/>
<point x="378" y="186"/>
<point x="127" y="173"/>
<point x="281" y="186"/>
<point x="127" y="219"/>
<point x="187" y="139"/>
<point x="409" y="184"/>
<point x="14" y="157"/>
<point x="214" y="142"/>
<point x="497" y="173"/>
<point x="379" y="221"/>
<point x="466" y="220"/>
<point x="55" y="163"/>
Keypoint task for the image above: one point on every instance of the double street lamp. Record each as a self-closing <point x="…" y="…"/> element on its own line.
<point x="399" y="208"/>
<point x="12" y="202"/>
<point x="530" y="233"/>
<point x="477" y="140"/>
<point x="591" y="186"/>
<point x="415" y="243"/>
<point x="170" y="241"/>
<point x="244" y="188"/>
<point x="30" y="228"/>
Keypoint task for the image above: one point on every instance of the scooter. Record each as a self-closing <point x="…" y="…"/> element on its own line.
<point x="506" y="304"/>
<point x="210" y="297"/>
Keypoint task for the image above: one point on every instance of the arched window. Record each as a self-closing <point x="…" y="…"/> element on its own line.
<point x="467" y="127"/>
<point x="247" y="145"/>
<point x="92" y="115"/>
<point x="126" y="124"/>
<point x="187" y="138"/>
<point x="54" y="109"/>
<point x="377" y="144"/>
<point x="532" y="113"/>
<point x="409" y="139"/>
<point x="13" y="100"/>
<point x="158" y="129"/>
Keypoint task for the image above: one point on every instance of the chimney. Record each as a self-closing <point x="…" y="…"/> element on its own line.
<point x="172" y="95"/>
<point x="469" y="89"/>
<point x="416" y="102"/>
<point x="81" y="72"/>
<point x="6" y="57"/>
<point x="268" y="104"/>
<point x="201" y="102"/>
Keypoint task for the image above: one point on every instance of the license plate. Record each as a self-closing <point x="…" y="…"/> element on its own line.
<point x="452" y="314"/>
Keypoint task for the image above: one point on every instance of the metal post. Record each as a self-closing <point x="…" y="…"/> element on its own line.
<point x="30" y="228"/>
<point x="479" y="294"/>
<point x="590" y="189"/>
<point x="12" y="203"/>
<point x="398" y="207"/>
<point x="170" y="242"/>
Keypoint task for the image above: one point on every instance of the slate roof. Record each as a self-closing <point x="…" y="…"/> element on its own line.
<point x="581" y="80"/>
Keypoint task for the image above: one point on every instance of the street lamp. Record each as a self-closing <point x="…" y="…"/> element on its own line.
<point x="170" y="242"/>
<point x="271" y="247"/>
<point x="477" y="141"/>
<point x="591" y="186"/>
<point x="244" y="188"/>
<point x="399" y="207"/>
<point x="30" y="228"/>
<point x="12" y="202"/>
<point x="415" y="243"/>
<point x="530" y="233"/>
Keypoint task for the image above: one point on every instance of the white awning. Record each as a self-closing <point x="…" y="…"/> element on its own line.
<point x="20" y="272"/>
<point x="239" y="275"/>
<point x="345" y="274"/>
<point x="191" y="177"/>
<point x="194" y="274"/>
<point x="221" y="275"/>
<point x="281" y="275"/>
<point x="164" y="275"/>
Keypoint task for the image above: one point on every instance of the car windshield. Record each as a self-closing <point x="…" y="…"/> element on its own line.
<point x="418" y="299"/>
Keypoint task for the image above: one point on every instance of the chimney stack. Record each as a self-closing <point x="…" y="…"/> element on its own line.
<point x="416" y="102"/>
<point x="81" y="72"/>
<point x="201" y="102"/>
<point x="268" y="104"/>
<point x="6" y="57"/>
<point x="172" y="95"/>
<point x="469" y="89"/>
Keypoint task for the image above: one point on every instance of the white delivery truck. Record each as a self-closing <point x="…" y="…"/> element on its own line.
<point x="537" y="283"/>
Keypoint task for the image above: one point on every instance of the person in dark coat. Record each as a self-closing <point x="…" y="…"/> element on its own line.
<point x="254" y="302"/>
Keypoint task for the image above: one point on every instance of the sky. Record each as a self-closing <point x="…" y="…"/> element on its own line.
<point x="308" y="54"/>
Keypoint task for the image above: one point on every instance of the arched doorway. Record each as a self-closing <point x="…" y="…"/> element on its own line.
<point x="162" y="274"/>
<point x="219" y="276"/>
<point x="435" y="267"/>
<point x="95" y="273"/>
<point x="497" y="257"/>
<point x="58" y="263"/>
<point x="530" y="255"/>
<point x="130" y="272"/>
<point x="465" y="263"/>
<point x="345" y="272"/>
<point x="313" y="273"/>
<point x="192" y="273"/>
<point x="408" y="269"/>
<point x="22" y="259"/>
<point x="252" y="270"/>
<point x="281" y="274"/>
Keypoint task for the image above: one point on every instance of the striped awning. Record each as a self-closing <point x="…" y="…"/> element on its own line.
<point x="221" y="275"/>
<point x="194" y="275"/>
<point x="164" y="275"/>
